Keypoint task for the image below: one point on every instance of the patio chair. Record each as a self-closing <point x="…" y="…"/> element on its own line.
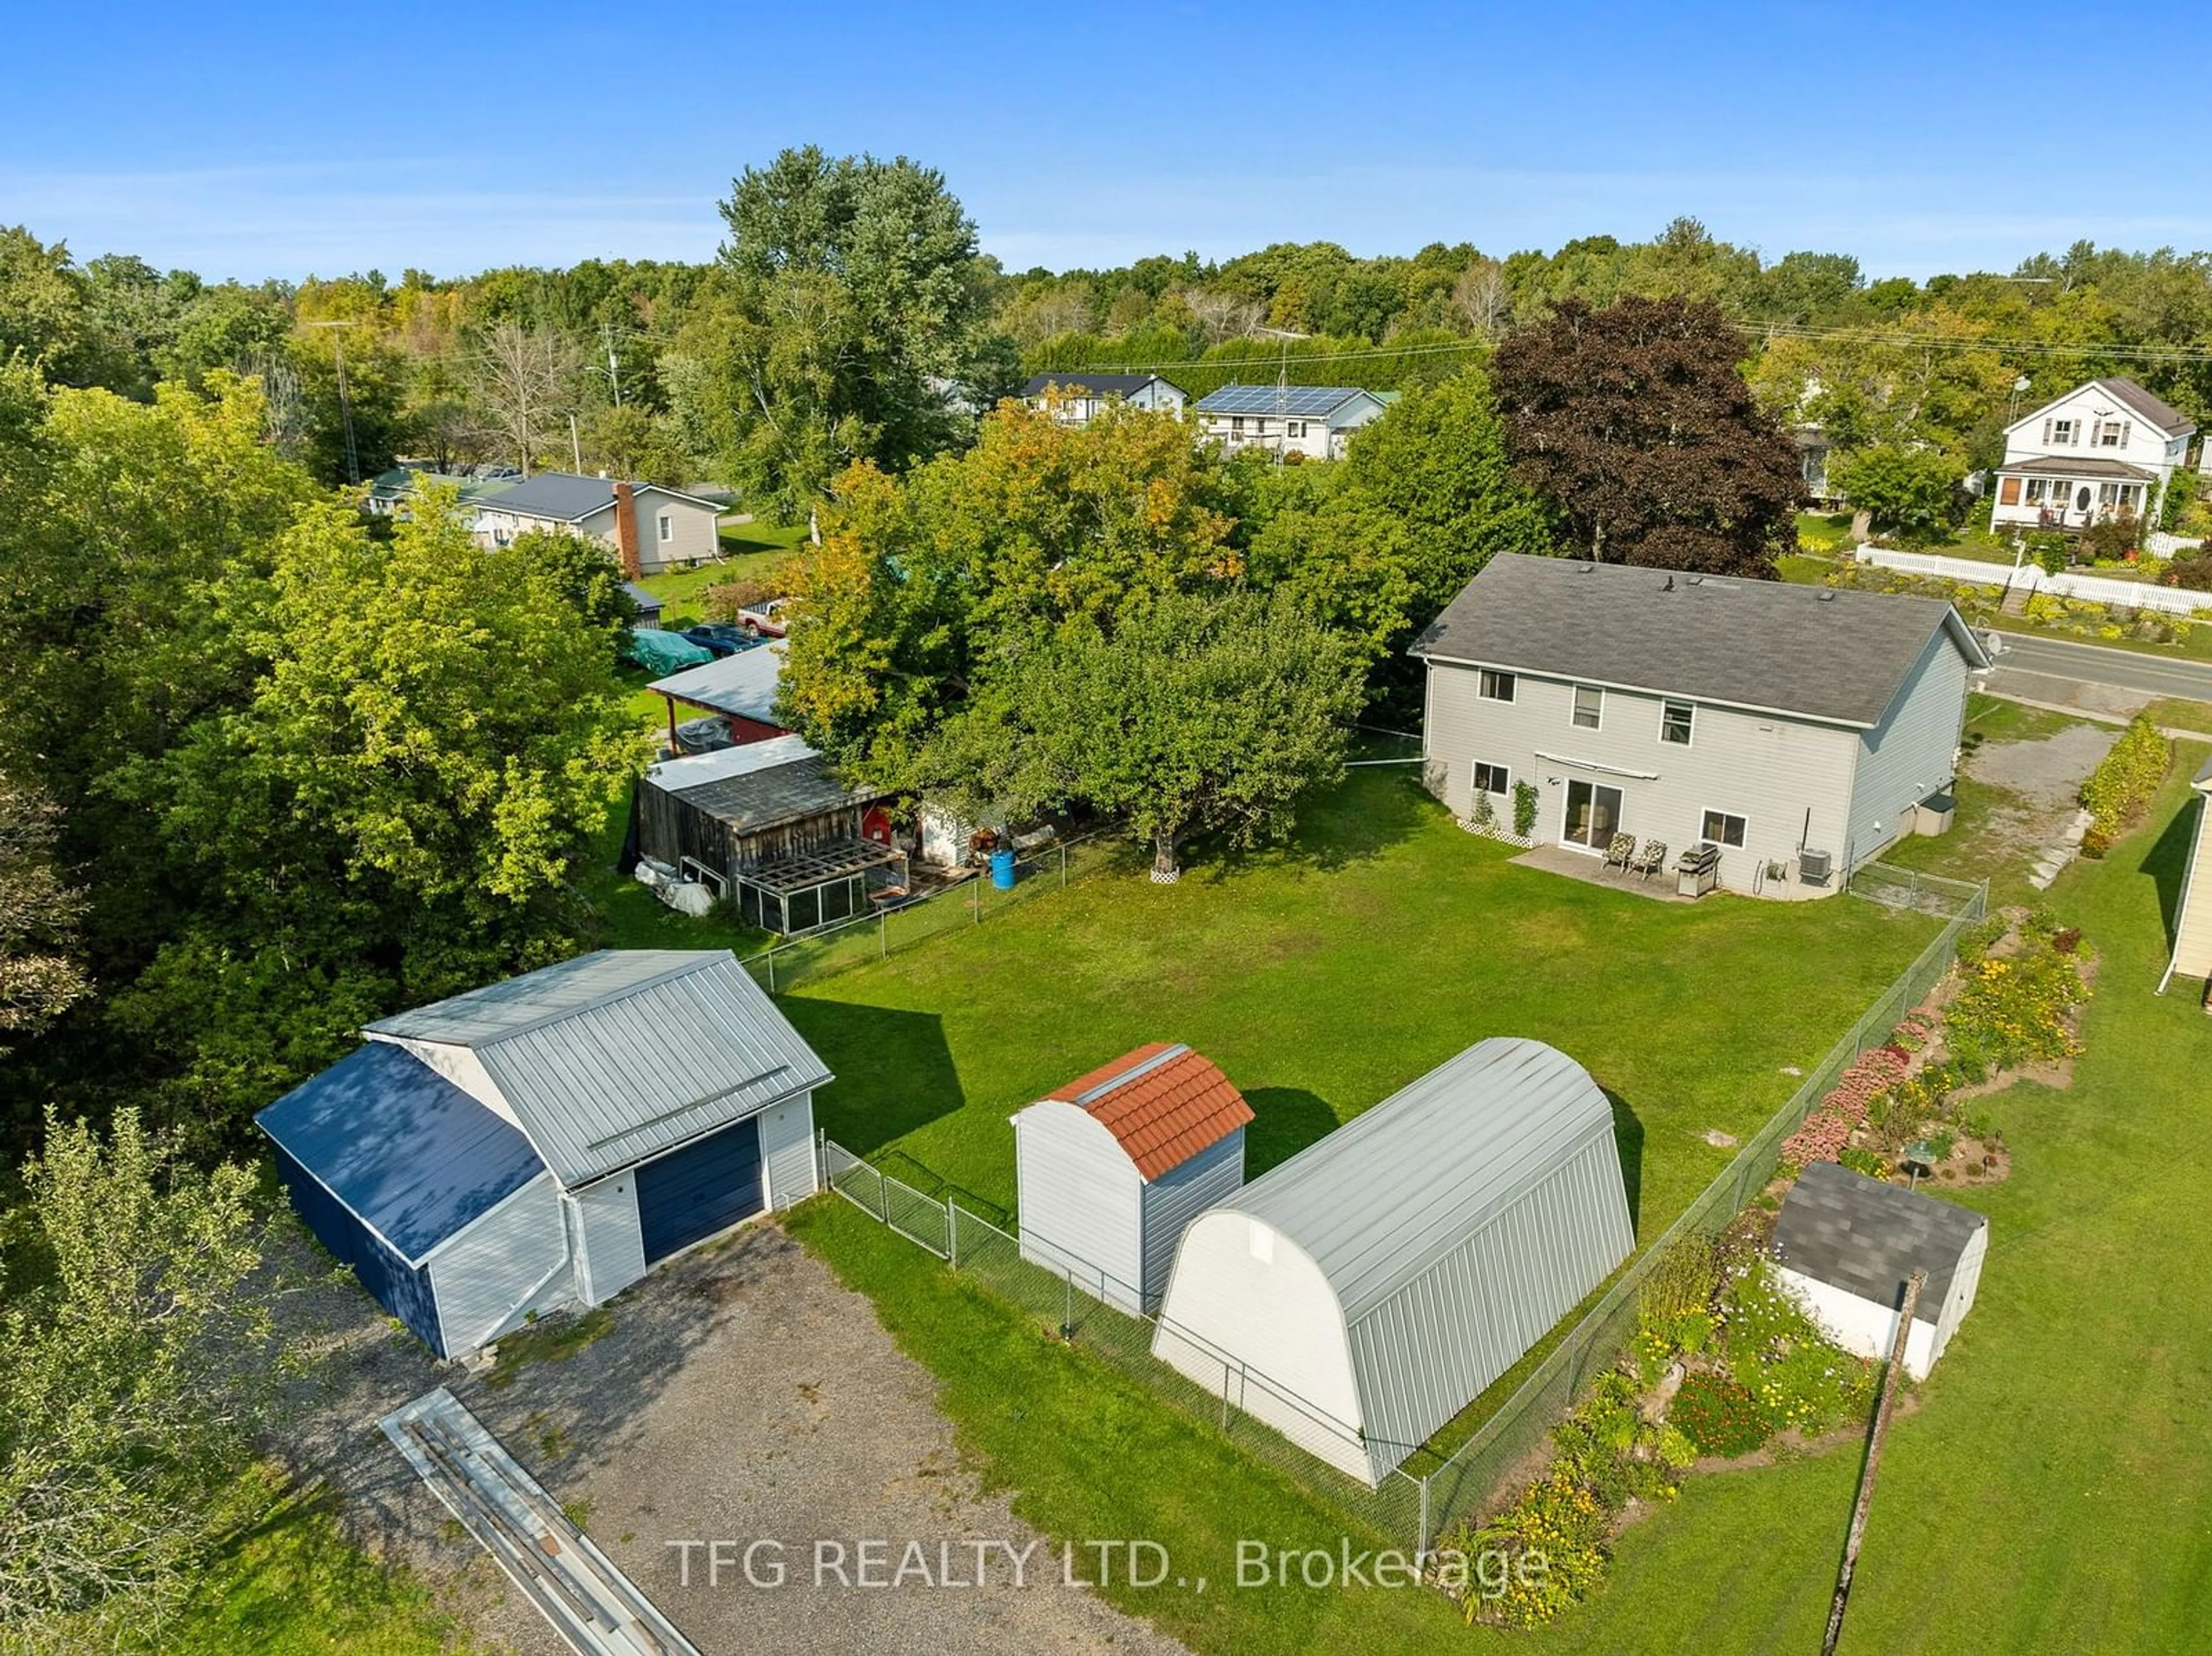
<point x="1650" y="859"/>
<point x="1621" y="852"/>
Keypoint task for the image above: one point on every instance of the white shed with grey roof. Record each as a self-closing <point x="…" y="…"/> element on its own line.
<point x="546" y="1140"/>
<point x="1846" y="1244"/>
<point x="1362" y="1294"/>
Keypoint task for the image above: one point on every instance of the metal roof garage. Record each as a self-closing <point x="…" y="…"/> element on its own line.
<point x="1360" y="1294"/>
<point x="545" y="1140"/>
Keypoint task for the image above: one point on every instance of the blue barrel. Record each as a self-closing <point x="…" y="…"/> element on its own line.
<point x="1002" y="870"/>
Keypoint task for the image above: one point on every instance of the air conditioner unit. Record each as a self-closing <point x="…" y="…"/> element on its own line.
<point x="1814" y="867"/>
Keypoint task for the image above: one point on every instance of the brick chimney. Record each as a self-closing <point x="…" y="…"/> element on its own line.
<point x="626" y="531"/>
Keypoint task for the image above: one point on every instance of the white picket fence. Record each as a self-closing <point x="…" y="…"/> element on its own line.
<point x="2072" y="583"/>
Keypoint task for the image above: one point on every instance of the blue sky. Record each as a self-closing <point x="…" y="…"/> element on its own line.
<point x="255" y="140"/>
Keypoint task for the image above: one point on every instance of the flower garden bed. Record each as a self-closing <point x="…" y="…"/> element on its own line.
<point x="1726" y="1368"/>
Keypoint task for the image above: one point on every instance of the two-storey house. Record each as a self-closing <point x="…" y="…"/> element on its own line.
<point x="2105" y="449"/>
<point x="1800" y="729"/>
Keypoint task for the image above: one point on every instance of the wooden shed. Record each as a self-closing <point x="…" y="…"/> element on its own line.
<point x="1111" y="1166"/>
<point x="769" y="827"/>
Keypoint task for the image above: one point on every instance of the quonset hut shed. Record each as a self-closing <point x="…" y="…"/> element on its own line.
<point x="1114" y="1165"/>
<point x="1360" y="1294"/>
<point x="546" y="1141"/>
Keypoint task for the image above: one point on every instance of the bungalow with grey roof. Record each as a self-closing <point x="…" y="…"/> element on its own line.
<point x="649" y="527"/>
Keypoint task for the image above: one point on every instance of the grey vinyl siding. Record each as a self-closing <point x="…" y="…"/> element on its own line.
<point x="787" y="1138"/>
<point x="1444" y="1336"/>
<point x="613" y="1247"/>
<point x="692" y="526"/>
<point x="1913" y="752"/>
<point x="1771" y="769"/>
<point x="1081" y="1202"/>
<point x="510" y="1261"/>
<point x="1178" y="1196"/>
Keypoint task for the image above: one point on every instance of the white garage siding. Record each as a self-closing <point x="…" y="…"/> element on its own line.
<point x="1913" y="752"/>
<point x="786" y="1142"/>
<point x="612" y="1252"/>
<point x="1178" y="1196"/>
<point x="513" y="1260"/>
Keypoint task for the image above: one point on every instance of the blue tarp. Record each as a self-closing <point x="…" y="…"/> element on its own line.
<point x="409" y="1154"/>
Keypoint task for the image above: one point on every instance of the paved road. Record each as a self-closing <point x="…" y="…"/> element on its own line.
<point x="2092" y="664"/>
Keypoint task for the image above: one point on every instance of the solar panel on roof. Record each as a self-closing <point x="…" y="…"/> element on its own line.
<point x="1305" y="401"/>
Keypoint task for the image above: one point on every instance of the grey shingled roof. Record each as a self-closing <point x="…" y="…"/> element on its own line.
<point x="2087" y="465"/>
<point x="2163" y="415"/>
<point x="1379" y="1201"/>
<point x="564" y="496"/>
<point x="1866" y="1237"/>
<point x="1821" y="653"/>
<point x="1082" y="381"/>
<point x="612" y="1056"/>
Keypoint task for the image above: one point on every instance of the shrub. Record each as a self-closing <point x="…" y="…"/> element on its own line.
<point x="1867" y="1161"/>
<point x="1484" y="813"/>
<point x="1718" y="1415"/>
<point x="2122" y="786"/>
<point x="1524" y="809"/>
<point x="723" y="599"/>
<point x="2015" y="1012"/>
<point x="1783" y="1358"/>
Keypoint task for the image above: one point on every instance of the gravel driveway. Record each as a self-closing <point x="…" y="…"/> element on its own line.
<point x="741" y="1394"/>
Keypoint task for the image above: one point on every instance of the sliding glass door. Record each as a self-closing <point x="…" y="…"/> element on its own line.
<point x="1593" y="816"/>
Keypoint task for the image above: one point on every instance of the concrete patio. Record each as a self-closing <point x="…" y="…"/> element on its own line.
<point x="1592" y="870"/>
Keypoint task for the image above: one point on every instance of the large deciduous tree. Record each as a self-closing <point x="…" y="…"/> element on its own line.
<point x="851" y="284"/>
<point x="1634" y="424"/>
<point x="137" y="1356"/>
<point x="1197" y="713"/>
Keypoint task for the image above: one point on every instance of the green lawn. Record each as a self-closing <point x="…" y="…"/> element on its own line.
<point x="1322" y="978"/>
<point x="1824" y="532"/>
<point x="291" y="1585"/>
<point x="750" y="552"/>
<point x="2054" y="1490"/>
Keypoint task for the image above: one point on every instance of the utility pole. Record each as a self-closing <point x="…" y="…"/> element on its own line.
<point x="614" y="370"/>
<point x="1873" y="1467"/>
<point x="345" y="401"/>
<point x="576" y="448"/>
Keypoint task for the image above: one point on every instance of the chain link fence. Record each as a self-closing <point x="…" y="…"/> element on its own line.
<point x="1453" y="1476"/>
<point x="970" y="903"/>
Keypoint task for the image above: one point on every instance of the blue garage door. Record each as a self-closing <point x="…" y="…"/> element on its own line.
<point x="699" y="1190"/>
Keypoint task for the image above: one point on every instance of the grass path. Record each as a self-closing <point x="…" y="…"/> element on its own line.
<point x="2055" y="1492"/>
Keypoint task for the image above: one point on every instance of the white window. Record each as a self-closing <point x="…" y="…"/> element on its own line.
<point x="2128" y="493"/>
<point x="1296" y="427"/>
<point x="2112" y="433"/>
<point x="1590" y="706"/>
<point x="2107" y="493"/>
<point x="1494" y="687"/>
<point x="2035" y="486"/>
<point x="1723" y="828"/>
<point x="667" y="527"/>
<point x="1491" y="778"/>
<point x="1237" y="424"/>
<point x="2058" y="433"/>
<point x="1675" y="719"/>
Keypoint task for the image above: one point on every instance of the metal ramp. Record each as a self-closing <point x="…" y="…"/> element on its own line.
<point x="589" y="1602"/>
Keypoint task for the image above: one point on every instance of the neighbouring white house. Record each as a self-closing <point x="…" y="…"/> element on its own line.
<point x="2105" y="449"/>
<point x="546" y="1141"/>
<point x="2192" y="919"/>
<point x="1312" y="421"/>
<point x="1814" y="447"/>
<point x="649" y="527"/>
<point x="1076" y="396"/>
<point x="1796" y="731"/>
<point x="1845" y="1246"/>
<point x="1110" y="1168"/>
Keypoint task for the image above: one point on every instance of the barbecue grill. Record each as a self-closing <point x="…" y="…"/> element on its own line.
<point x="1698" y="869"/>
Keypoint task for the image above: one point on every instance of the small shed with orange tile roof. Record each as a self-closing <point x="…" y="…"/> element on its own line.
<point x="1111" y="1166"/>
